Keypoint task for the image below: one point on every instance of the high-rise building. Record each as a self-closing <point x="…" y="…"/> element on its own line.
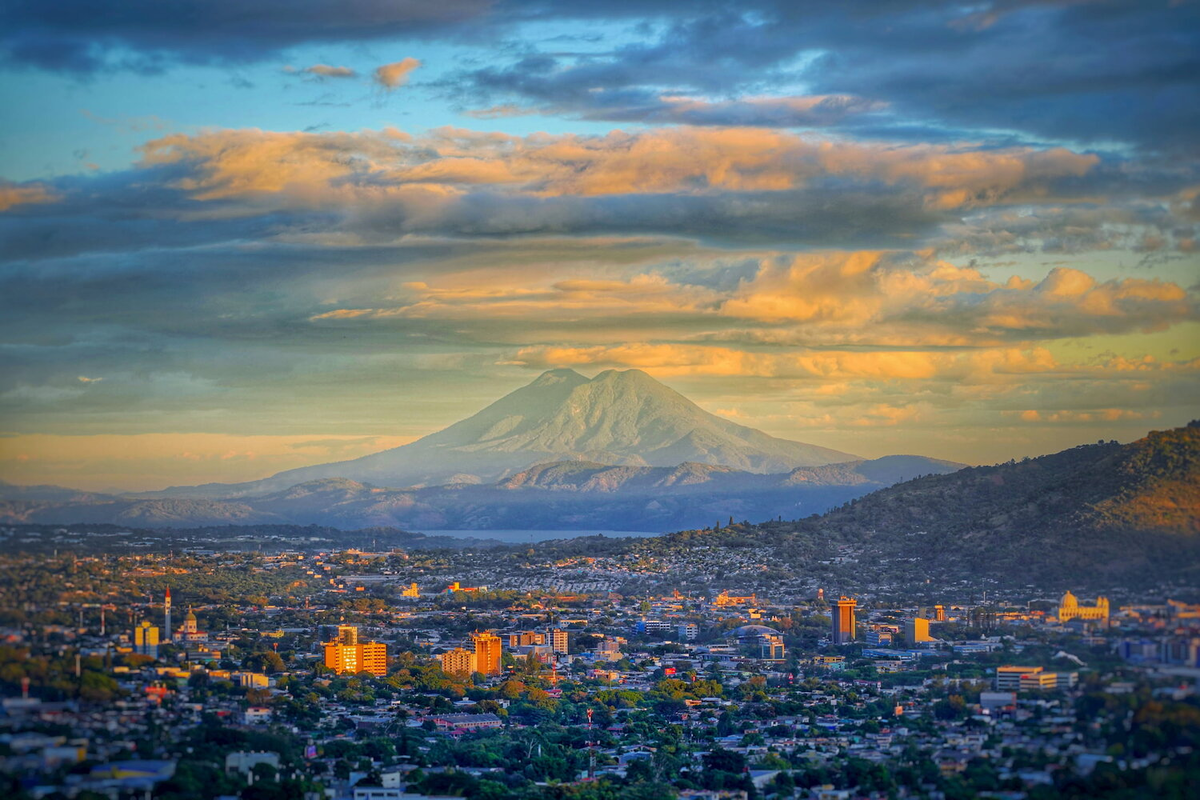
<point x="843" y="619"/>
<point x="458" y="662"/>
<point x="346" y="655"/>
<point x="373" y="658"/>
<point x="167" y="615"/>
<point x="916" y="630"/>
<point x="560" y="641"/>
<point x="145" y="639"/>
<point x="939" y="613"/>
<point x="487" y="653"/>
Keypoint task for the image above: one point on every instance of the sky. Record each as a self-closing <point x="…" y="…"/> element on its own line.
<point x="237" y="238"/>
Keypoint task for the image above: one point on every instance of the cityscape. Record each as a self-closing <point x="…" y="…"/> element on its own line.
<point x="358" y="674"/>
<point x="575" y="400"/>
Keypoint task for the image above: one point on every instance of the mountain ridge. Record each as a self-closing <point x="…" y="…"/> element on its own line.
<point x="559" y="495"/>
<point x="617" y="417"/>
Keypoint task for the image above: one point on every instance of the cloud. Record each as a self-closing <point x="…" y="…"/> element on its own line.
<point x="143" y="35"/>
<point x="1071" y="416"/>
<point x="817" y="111"/>
<point x="229" y="163"/>
<point x="394" y="75"/>
<point x="85" y="379"/>
<point x="327" y="71"/>
<point x="15" y="194"/>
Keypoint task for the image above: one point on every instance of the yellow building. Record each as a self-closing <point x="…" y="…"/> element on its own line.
<point x="411" y="591"/>
<point x="1069" y="609"/>
<point x="458" y="662"/>
<point x="1009" y="678"/>
<point x="725" y="600"/>
<point x="145" y="640"/>
<point x="916" y="630"/>
<point x="487" y="653"/>
<point x="346" y="655"/>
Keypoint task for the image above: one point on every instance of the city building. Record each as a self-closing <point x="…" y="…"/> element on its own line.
<point x="771" y="648"/>
<point x="881" y="635"/>
<point x="457" y="587"/>
<point x="725" y="600"/>
<point x="1008" y="679"/>
<point x="688" y="631"/>
<point x="1069" y="609"/>
<point x="145" y="639"/>
<point x="487" y="653"/>
<point x="654" y="626"/>
<point x="526" y="638"/>
<point x="843" y="619"/>
<point x="458" y="662"/>
<point x="411" y="591"/>
<point x="916" y="630"/>
<point x="560" y="641"/>
<point x="347" y="655"/>
<point x="190" y="632"/>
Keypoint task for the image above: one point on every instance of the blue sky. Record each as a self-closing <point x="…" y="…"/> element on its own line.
<point x="229" y="247"/>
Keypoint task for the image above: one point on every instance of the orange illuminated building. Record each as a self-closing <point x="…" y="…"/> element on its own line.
<point x="843" y="619"/>
<point x="487" y="653"/>
<point x="346" y="655"/>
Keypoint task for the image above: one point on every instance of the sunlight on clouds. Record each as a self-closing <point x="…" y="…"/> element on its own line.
<point x="150" y="461"/>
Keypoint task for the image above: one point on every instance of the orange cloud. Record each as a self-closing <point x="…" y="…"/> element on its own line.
<point x="15" y="194"/>
<point x="672" y="160"/>
<point x="394" y="75"/>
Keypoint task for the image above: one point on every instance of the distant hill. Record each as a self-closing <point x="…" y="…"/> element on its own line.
<point x="564" y="495"/>
<point x="618" y="418"/>
<point x="1104" y="511"/>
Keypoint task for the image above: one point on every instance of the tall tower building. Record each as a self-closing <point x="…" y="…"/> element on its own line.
<point x="560" y="641"/>
<point x="167" y="614"/>
<point x="487" y="653"/>
<point x="843" y="619"/>
<point x="145" y="639"/>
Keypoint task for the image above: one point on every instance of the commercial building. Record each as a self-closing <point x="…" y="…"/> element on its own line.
<point x="145" y="640"/>
<point x="346" y="655"/>
<point x="526" y="638"/>
<point x="843" y="619"/>
<point x="487" y="653"/>
<point x="771" y="648"/>
<point x="916" y="630"/>
<point x="1008" y="679"/>
<point x="560" y="641"/>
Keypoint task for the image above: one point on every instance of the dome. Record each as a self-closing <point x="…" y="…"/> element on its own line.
<point x="755" y="632"/>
